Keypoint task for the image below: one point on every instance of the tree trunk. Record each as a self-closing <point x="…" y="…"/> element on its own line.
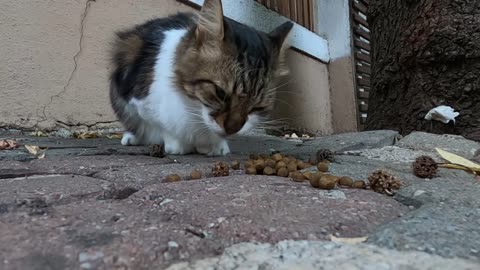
<point x="425" y="53"/>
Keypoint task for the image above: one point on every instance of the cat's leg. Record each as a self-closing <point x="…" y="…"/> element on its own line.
<point x="174" y="146"/>
<point x="129" y="138"/>
<point x="216" y="147"/>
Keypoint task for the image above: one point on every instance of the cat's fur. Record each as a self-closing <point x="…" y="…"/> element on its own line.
<point x="187" y="81"/>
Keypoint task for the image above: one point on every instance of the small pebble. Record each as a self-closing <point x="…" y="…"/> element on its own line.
<point x="173" y="178"/>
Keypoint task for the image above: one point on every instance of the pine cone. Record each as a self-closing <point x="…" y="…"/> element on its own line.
<point x="324" y="154"/>
<point x="221" y="169"/>
<point x="156" y="150"/>
<point x="384" y="182"/>
<point x="425" y="167"/>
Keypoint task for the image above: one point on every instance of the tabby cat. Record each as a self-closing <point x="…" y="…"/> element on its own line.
<point x="188" y="81"/>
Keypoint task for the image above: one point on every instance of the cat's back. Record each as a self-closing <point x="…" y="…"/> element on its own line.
<point x="135" y="51"/>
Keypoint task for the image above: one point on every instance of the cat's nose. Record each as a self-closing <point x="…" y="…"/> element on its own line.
<point x="233" y="124"/>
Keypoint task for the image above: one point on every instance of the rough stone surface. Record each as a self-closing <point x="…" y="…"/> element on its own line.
<point x="94" y="204"/>
<point x="306" y="255"/>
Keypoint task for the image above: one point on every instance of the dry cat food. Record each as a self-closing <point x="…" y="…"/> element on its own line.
<point x="173" y="178"/>
<point x="196" y="175"/>
<point x="235" y="165"/>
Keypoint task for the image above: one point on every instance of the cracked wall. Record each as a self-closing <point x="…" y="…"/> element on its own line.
<point x="54" y="70"/>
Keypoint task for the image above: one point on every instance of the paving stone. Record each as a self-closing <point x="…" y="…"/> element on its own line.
<point x="202" y="217"/>
<point x="310" y="255"/>
<point x="452" y="143"/>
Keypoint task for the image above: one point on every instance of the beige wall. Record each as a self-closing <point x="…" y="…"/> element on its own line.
<point x="49" y="78"/>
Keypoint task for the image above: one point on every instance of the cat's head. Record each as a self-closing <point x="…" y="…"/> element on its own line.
<point x="229" y="68"/>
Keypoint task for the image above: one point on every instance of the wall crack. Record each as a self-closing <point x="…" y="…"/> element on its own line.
<point x="83" y="18"/>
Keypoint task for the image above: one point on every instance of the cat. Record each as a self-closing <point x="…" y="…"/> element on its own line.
<point x="188" y="81"/>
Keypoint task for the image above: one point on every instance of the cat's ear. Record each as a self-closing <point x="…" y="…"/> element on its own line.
<point x="210" y="22"/>
<point x="279" y="37"/>
<point x="280" y="34"/>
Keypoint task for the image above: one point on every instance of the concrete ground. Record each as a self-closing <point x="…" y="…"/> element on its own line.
<point x="94" y="204"/>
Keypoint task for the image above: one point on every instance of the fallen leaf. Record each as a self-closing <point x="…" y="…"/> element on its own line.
<point x="8" y="144"/>
<point x="86" y="135"/>
<point x="115" y="136"/>
<point x="36" y="151"/>
<point x="346" y="240"/>
<point x="458" y="162"/>
<point x="39" y="133"/>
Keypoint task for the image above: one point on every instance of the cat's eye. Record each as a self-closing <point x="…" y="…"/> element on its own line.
<point x="220" y="93"/>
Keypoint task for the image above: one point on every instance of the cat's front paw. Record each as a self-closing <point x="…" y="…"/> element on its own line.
<point x="219" y="149"/>
<point x="174" y="147"/>
<point x="129" y="138"/>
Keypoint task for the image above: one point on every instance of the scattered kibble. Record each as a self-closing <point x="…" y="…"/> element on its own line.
<point x="292" y="167"/>
<point x="173" y="178"/>
<point x="235" y="165"/>
<point x="251" y="171"/>
<point x="282" y="172"/>
<point x="360" y="184"/>
<point x="221" y="169"/>
<point x="280" y="164"/>
<point x="297" y="177"/>
<point x="327" y="182"/>
<point x="195" y="175"/>
<point x="270" y="163"/>
<point x="301" y="165"/>
<point x="323" y="167"/>
<point x="259" y="165"/>
<point x="277" y="157"/>
<point x="308" y="175"/>
<point x="345" y="181"/>
<point x="269" y="171"/>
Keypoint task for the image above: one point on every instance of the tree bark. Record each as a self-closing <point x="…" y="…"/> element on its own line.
<point x="425" y="53"/>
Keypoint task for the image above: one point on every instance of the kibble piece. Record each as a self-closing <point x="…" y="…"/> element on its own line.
<point x="360" y="184"/>
<point x="235" y="165"/>
<point x="269" y="171"/>
<point x="251" y="171"/>
<point x="327" y="182"/>
<point x="280" y="164"/>
<point x="220" y="169"/>
<point x="195" y="175"/>
<point x="314" y="181"/>
<point x="297" y="177"/>
<point x="292" y="167"/>
<point x="308" y="175"/>
<point x="282" y="172"/>
<point x="248" y="163"/>
<point x="270" y="163"/>
<point x="322" y="167"/>
<point x="277" y="157"/>
<point x="286" y="160"/>
<point x="259" y="165"/>
<point x="264" y="156"/>
<point x="253" y="156"/>
<point x="345" y="181"/>
<point x="300" y="165"/>
<point x="173" y="178"/>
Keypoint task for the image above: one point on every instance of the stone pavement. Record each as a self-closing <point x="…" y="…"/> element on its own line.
<point x="94" y="204"/>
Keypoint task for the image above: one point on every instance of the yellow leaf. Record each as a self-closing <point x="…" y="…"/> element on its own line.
<point x="455" y="159"/>
<point x="355" y="240"/>
<point x="32" y="149"/>
<point x="36" y="151"/>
